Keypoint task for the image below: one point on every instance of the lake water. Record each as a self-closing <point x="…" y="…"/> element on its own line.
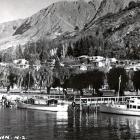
<point x="39" y="125"/>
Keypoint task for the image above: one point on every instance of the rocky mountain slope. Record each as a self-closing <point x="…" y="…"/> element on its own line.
<point x="67" y="17"/>
<point x="8" y="28"/>
<point x="120" y="31"/>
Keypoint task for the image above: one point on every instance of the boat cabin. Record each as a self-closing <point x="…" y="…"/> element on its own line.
<point x="52" y="102"/>
<point x="44" y="102"/>
<point x="134" y="103"/>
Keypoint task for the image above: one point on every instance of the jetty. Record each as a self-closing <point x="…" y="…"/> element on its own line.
<point x="77" y="102"/>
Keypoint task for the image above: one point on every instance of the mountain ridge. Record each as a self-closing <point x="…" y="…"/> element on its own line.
<point x="59" y="19"/>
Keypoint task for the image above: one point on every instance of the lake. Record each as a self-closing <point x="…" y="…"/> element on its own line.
<point x="39" y="125"/>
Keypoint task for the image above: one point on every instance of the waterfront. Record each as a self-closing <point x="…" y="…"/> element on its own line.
<point x="39" y="125"/>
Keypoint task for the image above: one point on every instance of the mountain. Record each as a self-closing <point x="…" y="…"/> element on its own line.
<point x="50" y="22"/>
<point x="120" y="32"/>
<point x="8" y="28"/>
<point x="65" y="18"/>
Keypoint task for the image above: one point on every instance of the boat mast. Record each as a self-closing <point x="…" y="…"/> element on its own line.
<point x="119" y="87"/>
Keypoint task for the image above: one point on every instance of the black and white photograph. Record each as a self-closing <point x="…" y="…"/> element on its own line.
<point x="69" y="69"/>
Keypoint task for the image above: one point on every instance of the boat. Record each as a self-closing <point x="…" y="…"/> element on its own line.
<point x="129" y="107"/>
<point x="51" y="105"/>
<point x="44" y="105"/>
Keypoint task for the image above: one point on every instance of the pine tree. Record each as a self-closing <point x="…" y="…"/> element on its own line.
<point x="19" y="53"/>
<point x="91" y="51"/>
<point x="85" y="45"/>
<point x="70" y="51"/>
<point x="76" y="50"/>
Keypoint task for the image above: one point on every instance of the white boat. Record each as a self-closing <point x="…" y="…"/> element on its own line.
<point x="130" y="107"/>
<point x="44" y="107"/>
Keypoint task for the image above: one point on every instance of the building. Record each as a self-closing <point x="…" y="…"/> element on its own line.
<point x="96" y="58"/>
<point x="83" y="67"/>
<point x="21" y="63"/>
<point x="2" y="64"/>
<point x="134" y="67"/>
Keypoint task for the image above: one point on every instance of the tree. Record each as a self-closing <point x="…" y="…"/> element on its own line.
<point x="91" y="51"/>
<point x="12" y="78"/>
<point x="37" y="51"/>
<point x="62" y="73"/>
<point x="85" y="44"/>
<point x="130" y="85"/>
<point x="136" y="80"/>
<point x="45" y="77"/>
<point x="19" y="53"/>
<point x="132" y="4"/>
<point x="113" y="79"/>
<point x="76" y="50"/>
<point x="49" y="79"/>
<point x="95" y="79"/>
<point x="56" y="82"/>
<point x="82" y="81"/>
<point x="78" y="82"/>
<point x="44" y="53"/>
<point x="28" y="80"/>
<point x="70" y="51"/>
<point x="59" y="52"/>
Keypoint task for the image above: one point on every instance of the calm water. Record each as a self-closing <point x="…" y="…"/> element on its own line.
<point x="38" y="125"/>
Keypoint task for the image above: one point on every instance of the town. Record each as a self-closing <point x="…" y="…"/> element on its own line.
<point x="56" y="75"/>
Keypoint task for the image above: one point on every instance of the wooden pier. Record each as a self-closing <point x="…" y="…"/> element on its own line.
<point x="75" y="102"/>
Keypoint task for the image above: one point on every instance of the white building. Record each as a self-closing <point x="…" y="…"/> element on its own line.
<point x="83" y="57"/>
<point x="21" y="63"/>
<point x="2" y="64"/>
<point x="101" y="64"/>
<point x="134" y="67"/>
<point x="96" y="58"/>
<point x="53" y="51"/>
<point x="113" y="60"/>
<point x="83" y="67"/>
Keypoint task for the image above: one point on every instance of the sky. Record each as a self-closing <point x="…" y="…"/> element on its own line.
<point x="17" y="9"/>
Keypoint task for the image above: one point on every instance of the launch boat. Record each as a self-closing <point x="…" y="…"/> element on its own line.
<point x="51" y="105"/>
<point x="129" y="107"/>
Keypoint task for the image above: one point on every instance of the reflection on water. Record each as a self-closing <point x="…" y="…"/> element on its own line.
<point x="39" y="125"/>
<point x="62" y="116"/>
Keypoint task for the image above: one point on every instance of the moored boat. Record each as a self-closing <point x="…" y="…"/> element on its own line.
<point x="130" y="107"/>
<point x="49" y="106"/>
